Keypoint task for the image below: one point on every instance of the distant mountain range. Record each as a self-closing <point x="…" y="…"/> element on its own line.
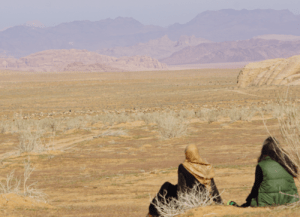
<point x="217" y="26"/>
<point x="157" y="48"/>
<point x="234" y="51"/>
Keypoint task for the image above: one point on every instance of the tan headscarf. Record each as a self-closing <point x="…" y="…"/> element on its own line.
<point x="199" y="168"/>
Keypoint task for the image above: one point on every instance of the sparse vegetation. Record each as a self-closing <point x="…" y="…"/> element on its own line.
<point x="78" y="171"/>
<point x="12" y="184"/>
<point x="187" y="200"/>
<point x="171" y="126"/>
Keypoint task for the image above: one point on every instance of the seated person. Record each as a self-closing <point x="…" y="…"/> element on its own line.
<point x="274" y="177"/>
<point x="194" y="171"/>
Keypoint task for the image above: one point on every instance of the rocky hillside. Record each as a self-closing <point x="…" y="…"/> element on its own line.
<point x="234" y="51"/>
<point x="271" y="72"/>
<point x="157" y="48"/>
<point x="79" y="60"/>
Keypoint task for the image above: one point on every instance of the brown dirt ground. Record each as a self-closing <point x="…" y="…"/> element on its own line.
<point x="109" y="176"/>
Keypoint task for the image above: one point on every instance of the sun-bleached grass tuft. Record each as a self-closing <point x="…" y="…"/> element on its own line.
<point x="189" y="199"/>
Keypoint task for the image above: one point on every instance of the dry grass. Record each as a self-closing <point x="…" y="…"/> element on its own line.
<point x="188" y="199"/>
<point x="289" y="124"/>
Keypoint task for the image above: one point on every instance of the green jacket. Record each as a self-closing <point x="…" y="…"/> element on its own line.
<point x="275" y="179"/>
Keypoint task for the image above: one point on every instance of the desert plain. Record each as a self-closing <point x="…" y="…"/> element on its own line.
<point x="105" y="142"/>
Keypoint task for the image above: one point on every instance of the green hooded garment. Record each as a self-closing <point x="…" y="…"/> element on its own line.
<point x="275" y="180"/>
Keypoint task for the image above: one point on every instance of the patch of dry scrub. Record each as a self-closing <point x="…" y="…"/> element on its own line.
<point x="13" y="184"/>
<point x="188" y="199"/>
<point x="170" y="125"/>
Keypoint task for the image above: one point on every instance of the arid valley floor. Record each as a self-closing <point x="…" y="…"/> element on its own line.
<point x="104" y="155"/>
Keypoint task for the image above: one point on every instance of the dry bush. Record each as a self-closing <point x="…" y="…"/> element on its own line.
<point x="170" y="125"/>
<point x="108" y="118"/>
<point x="122" y="118"/>
<point x="288" y="115"/>
<point x="52" y="125"/>
<point x="209" y="115"/>
<point x="186" y="200"/>
<point x="289" y="125"/>
<point x="150" y="118"/>
<point x="30" y="190"/>
<point x="12" y="185"/>
<point x="137" y="116"/>
<point x="31" y="141"/>
<point x="274" y="108"/>
<point x="187" y="113"/>
<point x="76" y="123"/>
<point x="241" y="114"/>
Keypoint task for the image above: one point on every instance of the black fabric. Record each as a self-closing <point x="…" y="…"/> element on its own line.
<point x="257" y="183"/>
<point x="169" y="191"/>
<point x="186" y="181"/>
<point x="215" y="193"/>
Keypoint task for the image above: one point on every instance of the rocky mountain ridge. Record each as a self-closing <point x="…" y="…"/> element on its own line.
<point x="217" y="26"/>
<point x="79" y="60"/>
<point x="157" y="48"/>
<point x="234" y="51"/>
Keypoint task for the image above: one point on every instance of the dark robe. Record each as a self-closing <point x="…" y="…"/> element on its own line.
<point x="185" y="181"/>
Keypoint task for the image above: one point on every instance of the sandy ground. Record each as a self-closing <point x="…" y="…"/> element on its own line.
<point x="86" y="175"/>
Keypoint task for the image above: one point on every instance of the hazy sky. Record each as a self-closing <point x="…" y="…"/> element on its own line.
<point x="157" y="12"/>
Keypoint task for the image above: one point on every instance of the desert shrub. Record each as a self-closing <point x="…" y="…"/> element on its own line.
<point x="30" y="190"/>
<point x="273" y="108"/>
<point x="76" y="123"/>
<point x="12" y="184"/>
<point x="51" y="125"/>
<point x="187" y="200"/>
<point x="150" y="118"/>
<point x="187" y="113"/>
<point x="122" y="118"/>
<point x="31" y="141"/>
<point x="108" y="118"/>
<point x="137" y="116"/>
<point x="170" y="125"/>
<point x="209" y="115"/>
<point x="242" y="114"/>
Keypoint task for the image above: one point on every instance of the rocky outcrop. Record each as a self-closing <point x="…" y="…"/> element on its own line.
<point x="79" y="60"/>
<point x="271" y="72"/>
